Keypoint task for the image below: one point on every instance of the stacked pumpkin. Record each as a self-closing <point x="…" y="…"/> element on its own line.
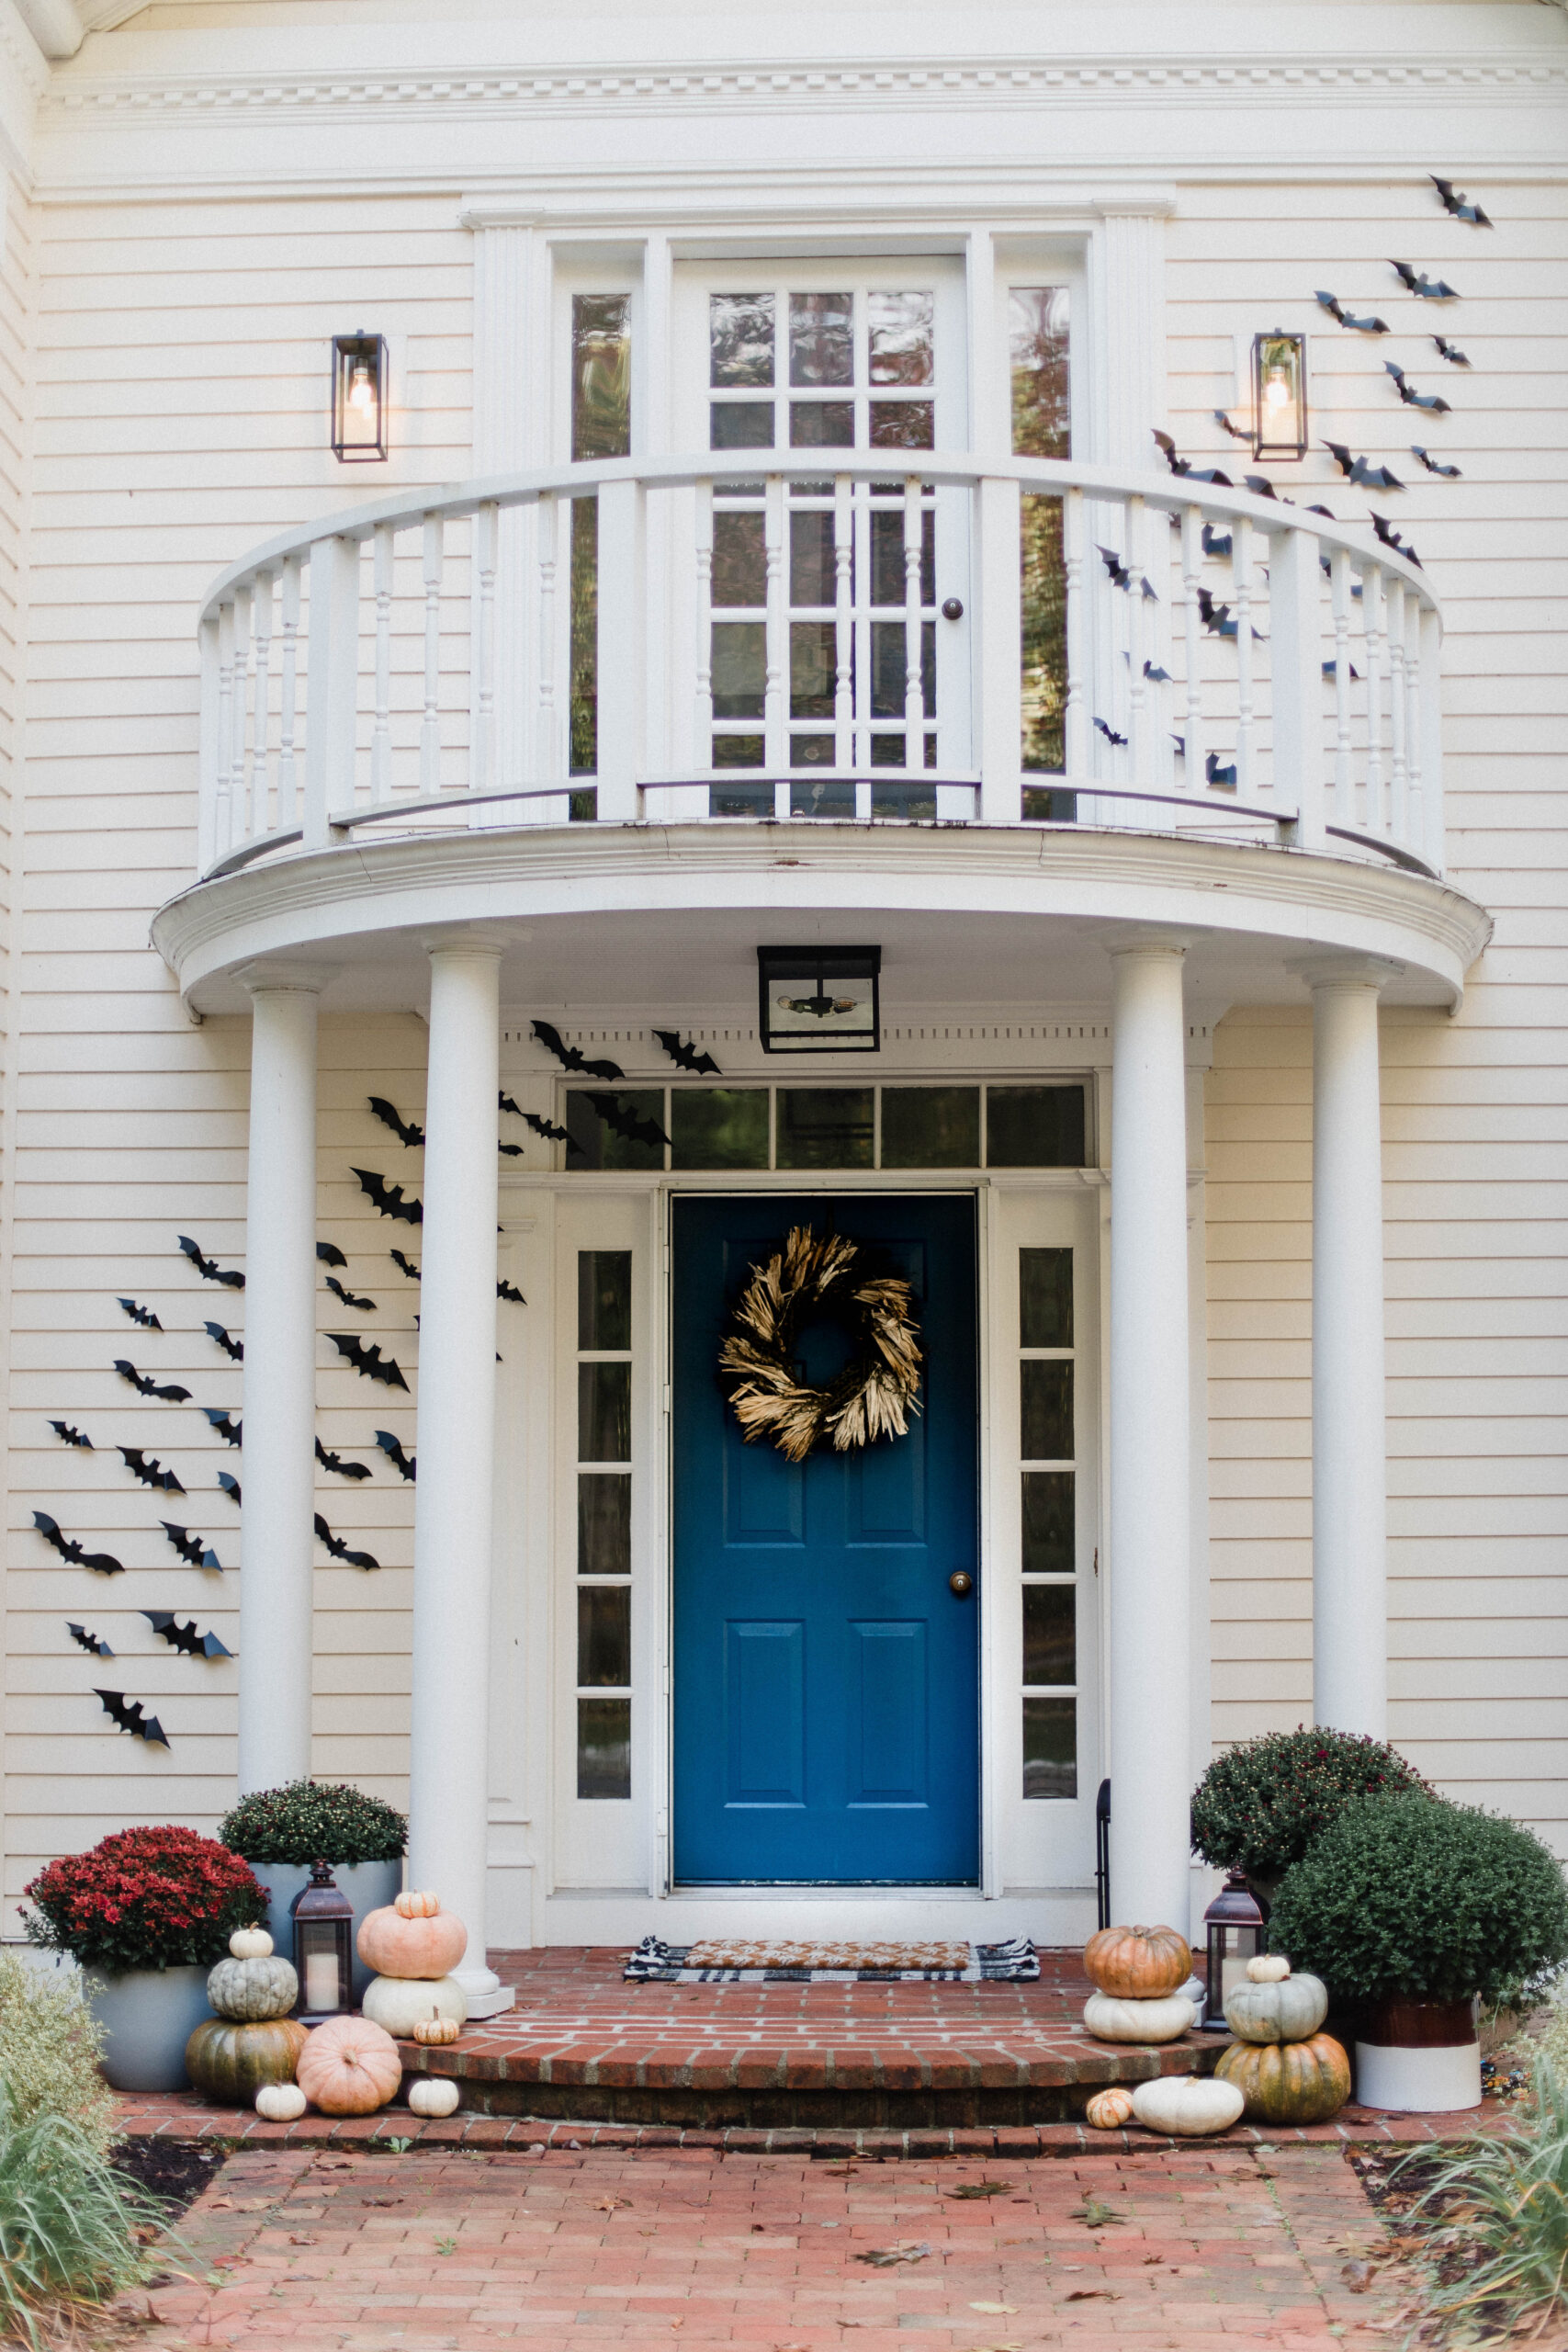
<point x="1285" y="2068"/>
<point x="1137" y="1974"/>
<point x="413" y="1945"/>
<point x="251" y="2042"/>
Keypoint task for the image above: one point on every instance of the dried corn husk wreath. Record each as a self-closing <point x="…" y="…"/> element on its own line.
<point x="874" y="1394"/>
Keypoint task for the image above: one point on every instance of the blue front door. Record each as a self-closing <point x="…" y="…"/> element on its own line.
<point x="825" y="1676"/>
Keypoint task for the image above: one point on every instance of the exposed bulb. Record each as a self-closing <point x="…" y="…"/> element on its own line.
<point x="1277" y="390"/>
<point x="362" y="390"/>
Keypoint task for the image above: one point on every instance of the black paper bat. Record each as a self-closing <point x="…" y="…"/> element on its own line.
<point x="1184" y="466"/>
<point x="234" y="1349"/>
<point x="510" y="1150"/>
<point x="340" y="1550"/>
<point x="184" y="1638"/>
<point x="686" y="1057"/>
<point x="1331" y="671"/>
<point x="68" y="1435"/>
<point x="1361" y="469"/>
<point x="1214" y="773"/>
<point x="404" y="1265"/>
<point x="194" y="1550"/>
<point x="389" y="1116"/>
<point x="1109" y="732"/>
<point x="229" y="1485"/>
<point x="1457" y="205"/>
<point x="145" y="1315"/>
<point x="1450" y="352"/>
<point x="1180" y="743"/>
<point x="504" y="1289"/>
<point x="1362" y="326"/>
<point x="1450" y="473"/>
<point x="103" y="1563"/>
<point x="1326" y="511"/>
<point x="369" y="1360"/>
<point x="151" y="1473"/>
<point x="1261" y="486"/>
<point x="622" y="1121"/>
<point x="389" y="1198"/>
<point x="173" y="1393"/>
<point x="392" y="1447"/>
<point x="1156" y="675"/>
<point x="570" y="1057"/>
<point x="551" y="1133"/>
<point x="337" y="1465"/>
<point x="1237" y="432"/>
<point x="1217" y="618"/>
<point x="210" y="1271"/>
<point x="88" y="1642"/>
<point x="1215" y="543"/>
<point x="225" y="1425"/>
<point x="504" y="1103"/>
<point x="127" y="1713"/>
<point x="1430" y="290"/>
<point x="1411" y="397"/>
<point x="329" y="1254"/>
<point x="367" y="1306"/>
<point x="1120" y="577"/>
<point x="1391" y="539"/>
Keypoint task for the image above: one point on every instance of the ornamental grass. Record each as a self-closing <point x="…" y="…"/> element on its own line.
<point x="73" y="2232"/>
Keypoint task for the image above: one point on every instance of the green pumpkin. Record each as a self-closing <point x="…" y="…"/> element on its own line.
<point x="1290" y="2009"/>
<point x="252" y="1989"/>
<point x="230" y="2060"/>
<point x="1288" y="2082"/>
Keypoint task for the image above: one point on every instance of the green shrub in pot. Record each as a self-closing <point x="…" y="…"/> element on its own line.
<point x="282" y="1831"/>
<point x="1258" y="1808"/>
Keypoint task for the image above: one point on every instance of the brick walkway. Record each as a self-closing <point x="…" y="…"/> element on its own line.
<point x="1211" y="2252"/>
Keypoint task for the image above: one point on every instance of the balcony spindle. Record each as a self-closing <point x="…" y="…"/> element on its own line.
<point x="546" y="750"/>
<point x="914" y="693"/>
<point x="1339" y="574"/>
<point x="623" y="649"/>
<point x="1075" y="716"/>
<point x="288" y="698"/>
<point x="1295" y="582"/>
<point x="1371" y="630"/>
<point x="381" y="732"/>
<point x="1191" y="762"/>
<point x="260" y="723"/>
<point x="481" y="762"/>
<point x="1137" y="643"/>
<point x="331" y="689"/>
<point x="206" y="797"/>
<point x="1241" y="578"/>
<point x="239" y="767"/>
<point x="843" y="621"/>
<point x="429" y="730"/>
<point x="1432" y="844"/>
<point x="1415" y="831"/>
<point x="1396" y="709"/>
<point x="224" y="828"/>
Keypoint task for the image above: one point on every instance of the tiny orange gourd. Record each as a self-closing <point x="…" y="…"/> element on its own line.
<point x="414" y="1905"/>
<point x="1110" y="2108"/>
<point x="349" y="2067"/>
<point x="1138" y="1964"/>
<point x="436" y="2032"/>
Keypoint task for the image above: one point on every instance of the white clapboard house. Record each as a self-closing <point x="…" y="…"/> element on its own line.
<point x="604" y="576"/>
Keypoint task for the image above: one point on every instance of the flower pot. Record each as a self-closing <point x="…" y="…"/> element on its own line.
<point x="1420" y="2057"/>
<point x="368" y="1886"/>
<point x="148" y="2015"/>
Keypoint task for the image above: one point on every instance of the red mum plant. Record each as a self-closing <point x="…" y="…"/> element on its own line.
<point x="145" y="1898"/>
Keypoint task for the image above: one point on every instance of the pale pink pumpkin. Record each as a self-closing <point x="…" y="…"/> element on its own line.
<point x="394" y="1946"/>
<point x="349" y="2067"/>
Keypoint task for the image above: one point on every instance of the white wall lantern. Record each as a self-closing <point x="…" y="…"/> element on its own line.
<point x="820" y="999"/>
<point x="1278" y="396"/>
<point x="360" y="376"/>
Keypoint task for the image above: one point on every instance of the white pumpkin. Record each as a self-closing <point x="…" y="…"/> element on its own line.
<point x="1290" y="2009"/>
<point x="280" y="2102"/>
<point x="400" y="2003"/>
<point x="1267" y="1968"/>
<point x="1110" y="2019"/>
<point x="250" y="1943"/>
<point x="432" y="2095"/>
<point x="1188" y="2107"/>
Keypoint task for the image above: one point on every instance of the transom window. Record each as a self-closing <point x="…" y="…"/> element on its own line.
<point x="680" y="1127"/>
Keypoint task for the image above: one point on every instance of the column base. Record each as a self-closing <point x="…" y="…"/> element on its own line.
<point x="485" y="1994"/>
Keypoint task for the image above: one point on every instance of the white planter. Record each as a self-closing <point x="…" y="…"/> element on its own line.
<point x="148" y="2015"/>
<point x="1433" y="2081"/>
<point x="369" y="1887"/>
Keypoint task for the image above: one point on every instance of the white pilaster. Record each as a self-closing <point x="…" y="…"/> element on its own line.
<point x="448" y="1745"/>
<point x="1350" y="1609"/>
<point x="279" y="1483"/>
<point x="1150" y="1528"/>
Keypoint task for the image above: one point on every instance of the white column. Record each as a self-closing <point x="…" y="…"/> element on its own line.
<point x="1150" y="1532"/>
<point x="1349" y="1675"/>
<point x="448" y="1746"/>
<point x="279" y="1482"/>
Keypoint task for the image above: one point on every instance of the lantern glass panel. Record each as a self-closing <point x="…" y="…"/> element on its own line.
<point x="320" y="1949"/>
<point x="1234" y="1929"/>
<point x="359" y="399"/>
<point x="1278" y="396"/>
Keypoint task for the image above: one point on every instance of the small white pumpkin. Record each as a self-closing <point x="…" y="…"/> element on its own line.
<point x="432" y="2095"/>
<point x="1110" y="2019"/>
<point x="250" y="1943"/>
<point x="1290" y="2009"/>
<point x="280" y="2102"/>
<point x="1188" y="2107"/>
<point x="1267" y="1968"/>
<point x="400" y="2003"/>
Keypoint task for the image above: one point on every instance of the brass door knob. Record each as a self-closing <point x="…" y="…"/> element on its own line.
<point x="961" y="1583"/>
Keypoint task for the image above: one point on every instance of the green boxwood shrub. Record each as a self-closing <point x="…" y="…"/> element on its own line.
<point x="311" y="1821"/>
<point x="1409" y="1895"/>
<point x="1258" y="1807"/>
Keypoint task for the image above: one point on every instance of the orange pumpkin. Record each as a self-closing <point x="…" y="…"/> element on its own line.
<point x="396" y="1946"/>
<point x="411" y="1905"/>
<point x="349" y="2067"/>
<point x="1289" y="2082"/>
<point x="435" y="2032"/>
<point x="1110" y="2108"/>
<point x="1138" y="1964"/>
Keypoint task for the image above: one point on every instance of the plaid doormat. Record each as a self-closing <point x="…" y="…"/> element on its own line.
<point x="771" y="1961"/>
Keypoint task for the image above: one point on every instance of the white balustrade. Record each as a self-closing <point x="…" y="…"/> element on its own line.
<point x="1244" y="667"/>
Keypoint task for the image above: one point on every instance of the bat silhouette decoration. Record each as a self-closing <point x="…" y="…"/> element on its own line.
<point x="1237" y="432"/>
<point x="234" y="1349"/>
<point x="1109" y="732"/>
<point x="686" y="1057"/>
<point x="551" y="1133"/>
<point x="570" y="1057"/>
<point x="1120" y="577"/>
<point x="1184" y="466"/>
<point x="1411" y="397"/>
<point x="1218" y="618"/>
<point x="1180" y="743"/>
<point x="1156" y="675"/>
<point x="69" y="1435"/>
<point x="1391" y="539"/>
<point x="404" y="1265"/>
<point x="337" y="1465"/>
<point x="1450" y="473"/>
<point x="184" y="1638"/>
<point x="369" y="1361"/>
<point x="1360" y="470"/>
<point x="389" y="1198"/>
<point x="1331" y="671"/>
<point x="340" y="1550"/>
<point x="329" y="1254"/>
<point x="1216" y="543"/>
<point x="1457" y="205"/>
<point x="194" y="1550"/>
<point x="145" y="1315"/>
<point x="389" y="1116"/>
<point x="88" y="1642"/>
<point x="1261" y="486"/>
<point x="1335" y="310"/>
<point x="622" y="1121"/>
<point x="229" y="1485"/>
<point x="103" y="1563"/>
<point x="151" y="1473"/>
<point x="129" y="1715"/>
<point x="209" y="1269"/>
<point x="223" y="1424"/>
<point x="512" y="1297"/>
<point x="365" y="1306"/>
<point x="509" y="1150"/>
<point x="171" y="1394"/>
<point x="1427" y="289"/>
<point x="504" y="1103"/>
<point x="1448" y="351"/>
<point x="1224" y="777"/>
<point x="392" y="1447"/>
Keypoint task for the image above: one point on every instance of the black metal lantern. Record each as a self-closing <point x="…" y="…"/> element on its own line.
<point x="820" y="999"/>
<point x="1233" y="1928"/>
<point x="323" y="1947"/>
<point x="359" y="399"/>
<point x="1278" y="395"/>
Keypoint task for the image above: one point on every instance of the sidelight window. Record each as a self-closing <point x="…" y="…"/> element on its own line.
<point x="603" y="1522"/>
<point x="1047" y="1449"/>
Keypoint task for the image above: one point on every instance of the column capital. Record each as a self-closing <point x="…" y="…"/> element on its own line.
<point x="285" y="979"/>
<point x="1151" y="943"/>
<point x="1338" y="968"/>
<point x="465" y="938"/>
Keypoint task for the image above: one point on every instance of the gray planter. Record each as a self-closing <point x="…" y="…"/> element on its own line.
<point x="148" y="2015"/>
<point x="369" y="1887"/>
